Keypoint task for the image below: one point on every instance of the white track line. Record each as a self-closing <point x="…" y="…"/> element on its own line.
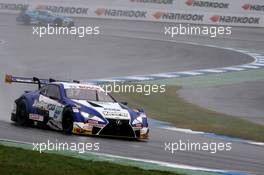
<point x="165" y="75"/>
<point x="140" y="78"/>
<point x="191" y="73"/>
<point x="233" y="68"/>
<point x="213" y="71"/>
<point x="189" y="131"/>
<point x="250" y="67"/>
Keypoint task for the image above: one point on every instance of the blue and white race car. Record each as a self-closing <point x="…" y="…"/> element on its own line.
<point x="76" y="108"/>
<point x="43" y="17"/>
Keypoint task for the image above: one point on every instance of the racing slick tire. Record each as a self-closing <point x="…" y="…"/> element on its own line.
<point x="58" y="22"/>
<point x="70" y="25"/>
<point x="67" y="121"/>
<point x="22" y="114"/>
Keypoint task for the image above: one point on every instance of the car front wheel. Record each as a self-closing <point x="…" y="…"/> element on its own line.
<point x="22" y="113"/>
<point x="67" y="121"/>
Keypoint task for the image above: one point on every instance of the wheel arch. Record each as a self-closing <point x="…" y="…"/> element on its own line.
<point x="56" y="20"/>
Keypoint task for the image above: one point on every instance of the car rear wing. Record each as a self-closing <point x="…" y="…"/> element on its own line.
<point x="13" y="79"/>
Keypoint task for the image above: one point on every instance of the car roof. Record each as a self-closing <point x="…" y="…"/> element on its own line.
<point x="68" y="85"/>
<point x="40" y="10"/>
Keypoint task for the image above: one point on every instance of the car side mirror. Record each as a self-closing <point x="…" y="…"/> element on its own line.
<point x="42" y="93"/>
<point x="124" y="103"/>
<point x="141" y="110"/>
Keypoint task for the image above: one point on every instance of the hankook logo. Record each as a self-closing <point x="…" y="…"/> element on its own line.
<point x="251" y="7"/>
<point x="120" y="13"/>
<point x="178" y="16"/>
<point x="235" y="19"/>
<point x="153" y="1"/>
<point x="11" y="6"/>
<point x="207" y="4"/>
<point x="64" y="10"/>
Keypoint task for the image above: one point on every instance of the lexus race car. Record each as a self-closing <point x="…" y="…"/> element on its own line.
<point x="76" y="108"/>
<point x="43" y="17"/>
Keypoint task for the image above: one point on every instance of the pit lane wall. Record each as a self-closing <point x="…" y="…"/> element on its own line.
<point x="249" y="13"/>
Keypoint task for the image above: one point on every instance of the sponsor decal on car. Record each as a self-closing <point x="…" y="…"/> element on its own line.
<point x="58" y="111"/>
<point x="40" y="105"/>
<point x="54" y="110"/>
<point x="44" y="106"/>
<point x="115" y="113"/>
<point x="207" y="4"/>
<point x="36" y="117"/>
<point x="111" y="109"/>
<point x="76" y="86"/>
<point x="138" y="126"/>
<point x="82" y="131"/>
<point x="87" y="127"/>
<point x="92" y="121"/>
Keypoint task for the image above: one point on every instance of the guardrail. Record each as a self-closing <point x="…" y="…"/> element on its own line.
<point x="212" y="12"/>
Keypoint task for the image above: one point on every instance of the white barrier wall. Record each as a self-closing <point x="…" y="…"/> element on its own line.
<point x="214" y="12"/>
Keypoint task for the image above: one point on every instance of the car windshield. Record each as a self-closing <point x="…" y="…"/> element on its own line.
<point x="45" y="13"/>
<point x="89" y="95"/>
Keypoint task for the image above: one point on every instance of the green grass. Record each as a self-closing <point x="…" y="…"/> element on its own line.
<point x="17" y="161"/>
<point x="170" y="107"/>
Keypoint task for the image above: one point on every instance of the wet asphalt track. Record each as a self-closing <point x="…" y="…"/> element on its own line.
<point x="245" y="100"/>
<point x="116" y="53"/>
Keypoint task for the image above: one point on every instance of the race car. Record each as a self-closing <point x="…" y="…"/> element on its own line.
<point x="43" y="17"/>
<point x="78" y="108"/>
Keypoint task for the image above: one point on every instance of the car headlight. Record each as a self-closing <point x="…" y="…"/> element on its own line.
<point x="138" y="120"/>
<point x="85" y="115"/>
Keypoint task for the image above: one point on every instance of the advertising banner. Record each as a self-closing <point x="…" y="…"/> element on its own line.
<point x="212" y="12"/>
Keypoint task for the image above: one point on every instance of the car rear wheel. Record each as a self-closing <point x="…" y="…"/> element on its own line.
<point x="58" y="22"/>
<point x="27" y="19"/>
<point x="22" y="113"/>
<point x="67" y="121"/>
<point x="71" y="24"/>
